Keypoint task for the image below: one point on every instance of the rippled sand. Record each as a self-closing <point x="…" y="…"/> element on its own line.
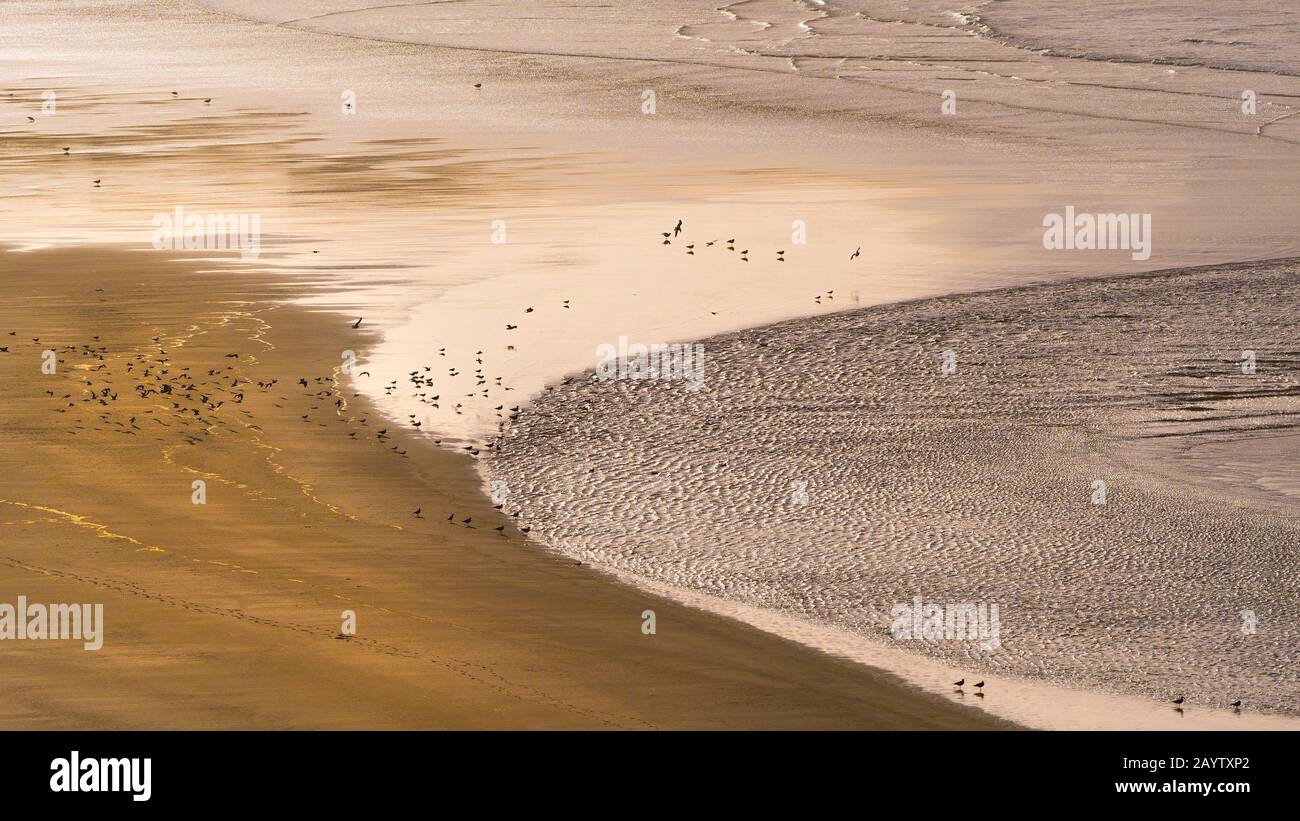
<point x="977" y="486"/>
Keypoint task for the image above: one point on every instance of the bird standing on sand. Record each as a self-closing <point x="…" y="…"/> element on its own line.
<point x="677" y="229"/>
<point x="979" y="685"/>
<point x="357" y="324"/>
<point x="855" y="254"/>
<point x="959" y="682"/>
<point x="417" y="513"/>
<point x="1178" y="701"/>
<point x="1236" y="705"/>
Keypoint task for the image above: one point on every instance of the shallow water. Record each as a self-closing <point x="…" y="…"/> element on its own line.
<point x="829" y="470"/>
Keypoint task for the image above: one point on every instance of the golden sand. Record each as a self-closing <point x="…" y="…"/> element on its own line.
<point x="228" y="614"/>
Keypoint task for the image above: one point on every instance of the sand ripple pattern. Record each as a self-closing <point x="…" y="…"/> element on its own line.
<point x="971" y="487"/>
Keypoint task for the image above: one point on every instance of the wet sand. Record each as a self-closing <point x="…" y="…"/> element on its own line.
<point x="769" y="112"/>
<point x="226" y="614"/>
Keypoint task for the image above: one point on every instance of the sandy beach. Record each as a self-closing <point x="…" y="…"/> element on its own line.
<point x="495" y="192"/>
<point x="227" y="614"/>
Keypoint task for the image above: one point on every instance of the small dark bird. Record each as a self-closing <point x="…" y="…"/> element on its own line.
<point x="677" y="229"/>
<point x="66" y="149"/>
<point x="979" y="685"/>
<point x="31" y="119"/>
<point x="97" y="182"/>
<point x="500" y="529"/>
<point x="207" y="100"/>
<point x="1178" y="700"/>
<point x="176" y="94"/>
<point x="357" y="324"/>
<point x="1236" y="705"/>
<point x="478" y="85"/>
<point x="451" y="518"/>
<point x="854" y="255"/>
<point x="417" y="513"/>
<point x="959" y="683"/>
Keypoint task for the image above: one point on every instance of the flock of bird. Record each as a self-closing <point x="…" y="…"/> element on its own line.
<point x="420" y="385"/>
<point x="197" y="404"/>
<point x="1178" y="702"/>
<point x="669" y="236"/>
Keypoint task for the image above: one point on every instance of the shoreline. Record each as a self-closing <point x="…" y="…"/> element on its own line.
<point x="458" y="627"/>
